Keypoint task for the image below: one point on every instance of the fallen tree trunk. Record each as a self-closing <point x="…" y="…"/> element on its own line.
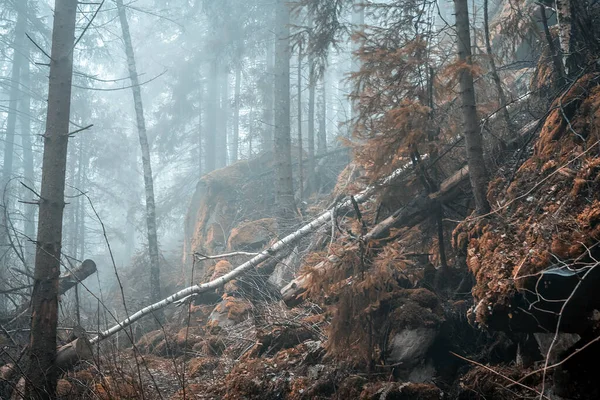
<point x="73" y="277"/>
<point x="252" y="263"/>
<point x="265" y="255"/>
<point x="70" y="354"/>
<point x="412" y="214"/>
<point x="65" y="283"/>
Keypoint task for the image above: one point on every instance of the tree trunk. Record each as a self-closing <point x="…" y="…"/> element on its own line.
<point x="564" y="20"/>
<point x="322" y="136"/>
<point x="83" y="165"/>
<point x="235" y="140"/>
<point x="13" y="101"/>
<point x="286" y="207"/>
<point x="222" y="122"/>
<point x="200" y="130"/>
<point x="26" y="142"/>
<point x="358" y="20"/>
<point x="311" y="165"/>
<point x="210" y="142"/>
<point x="555" y="54"/>
<point x="268" y="98"/>
<point x="41" y="370"/>
<point x="250" y="131"/>
<point x="473" y="139"/>
<point x="300" y="149"/>
<point x="494" y="70"/>
<point x="148" y="180"/>
<point x="9" y="139"/>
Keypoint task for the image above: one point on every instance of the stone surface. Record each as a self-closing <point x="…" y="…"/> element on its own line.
<point x="409" y="346"/>
<point x="252" y="235"/>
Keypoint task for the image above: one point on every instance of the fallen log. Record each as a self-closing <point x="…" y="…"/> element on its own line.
<point x="408" y="216"/>
<point x="263" y="256"/>
<point x="73" y="277"/>
<point x="65" y="283"/>
<point x="70" y="354"/>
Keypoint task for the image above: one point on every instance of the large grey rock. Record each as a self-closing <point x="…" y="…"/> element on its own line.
<point x="409" y="346"/>
<point x="422" y="373"/>
<point x="285" y="271"/>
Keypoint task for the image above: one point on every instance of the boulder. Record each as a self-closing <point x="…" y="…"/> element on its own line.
<point x="409" y="346"/>
<point x="285" y="271"/>
<point x="229" y="312"/>
<point x="252" y="235"/>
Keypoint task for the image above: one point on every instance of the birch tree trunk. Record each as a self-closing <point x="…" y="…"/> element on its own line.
<point x="559" y="68"/>
<point x="474" y="144"/>
<point x="279" y="247"/>
<point x="143" y="137"/>
<point x="41" y="370"/>
<point x="564" y="21"/>
<point x="286" y="207"/>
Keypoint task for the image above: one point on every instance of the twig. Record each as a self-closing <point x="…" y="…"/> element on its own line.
<point x="80" y="130"/>
<point x="88" y="24"/>
<point x="558" y="364"/>
<point x="499" y="374"/>
<point x="560" y="315"/>
<point x="36" y="45"/>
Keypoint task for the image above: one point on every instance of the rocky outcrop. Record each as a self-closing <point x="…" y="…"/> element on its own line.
<point x="252" y="235"/>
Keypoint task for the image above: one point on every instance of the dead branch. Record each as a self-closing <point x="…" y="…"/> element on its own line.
<point x="512" y="381"/>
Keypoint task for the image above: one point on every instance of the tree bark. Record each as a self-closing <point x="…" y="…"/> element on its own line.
<point x="235" y="141"/>
<point x="9" y="138"/>
<point x="146" y="163"/>
<point x="13" y="101"/>
<point x="268" y="99"/>
<point x="473" y="139"/>
<point x="311" y="165"/>
<point x="26" y="142"/>
<point x="322" y="135"/>
<point x="41" y="371"/>
<point x="70" y="354"/>
<point x="200" y="130"/>
<point x="73" y="277"/>
<point x="286" y="207"/>
<point x="210" y="143"/>
<point x="222" y="123"/>
<point x="494" y="70"/>
<point x="564" y="22"/>
<point x="555" y="54"/>
<point x="300" y="148"/>
<point x="358" y="20"/>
